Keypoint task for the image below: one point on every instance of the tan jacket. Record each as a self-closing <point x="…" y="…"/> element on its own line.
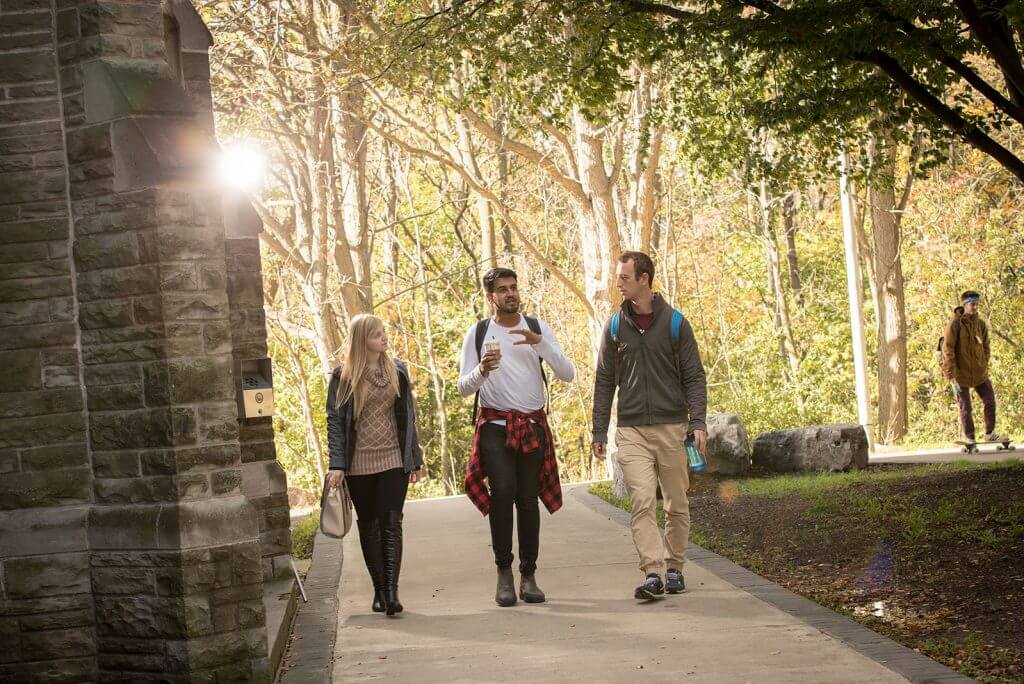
<point x="966" y="351"/>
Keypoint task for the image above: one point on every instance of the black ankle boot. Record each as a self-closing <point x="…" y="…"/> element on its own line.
<point x="529" y="591"/>
<point x="369" y="540"/>
<point x="505" y="594"/>
<point x="391" y="534"/>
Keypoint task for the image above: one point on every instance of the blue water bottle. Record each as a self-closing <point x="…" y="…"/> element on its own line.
<point x="693" y="455"/>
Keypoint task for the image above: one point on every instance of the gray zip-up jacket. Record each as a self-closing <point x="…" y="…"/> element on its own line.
<point x="658" y="382"/>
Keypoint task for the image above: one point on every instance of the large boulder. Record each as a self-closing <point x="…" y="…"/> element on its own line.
<point x="728" y="451"/>
<point x="828" y="448"/>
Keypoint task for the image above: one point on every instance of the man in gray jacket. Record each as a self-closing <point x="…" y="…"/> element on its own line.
<point x="649" y="354"/>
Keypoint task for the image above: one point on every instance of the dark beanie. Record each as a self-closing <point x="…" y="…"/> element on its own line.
<point x="969" y="296"/>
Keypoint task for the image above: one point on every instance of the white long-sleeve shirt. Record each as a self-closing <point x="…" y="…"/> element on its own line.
<point x="516" y="384"/>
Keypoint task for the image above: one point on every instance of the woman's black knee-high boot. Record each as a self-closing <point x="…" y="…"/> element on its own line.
<point x="370" y="541"/>
<point x="392" y="537"/>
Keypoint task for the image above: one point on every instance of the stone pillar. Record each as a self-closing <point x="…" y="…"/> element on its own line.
<point x="46" y="483"/>
<point x="127" y="546"/>
<point x="264" y="482"/>
<point x="263" y="479"/>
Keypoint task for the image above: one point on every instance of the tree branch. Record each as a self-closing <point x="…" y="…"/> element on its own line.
<point x="567" y="151"/>
<point x="275" y="236"/>
<point x="1007" y="59"/>
<point x="295" y="329"/>
<point x="967" y="131"/>
<point x="915" y="154"/>
<point x="659" y="8"/>
<point x="989" y="35"/>
<point x="523" y="150"/>
<point x="957" y="66"/>
<point x="479" y="188"/>
<point x="618" y="155"/>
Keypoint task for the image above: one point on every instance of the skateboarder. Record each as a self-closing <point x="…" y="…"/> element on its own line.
<point x="965" y="356"/>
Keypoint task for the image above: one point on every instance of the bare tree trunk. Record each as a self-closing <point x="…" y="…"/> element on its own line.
<point x="314" y="445"/>
<point x="436" y="376"/>
<point x="599" y="226"/>
<point x="328" y="342"/>
<point x="789" y="227"/>
<point x="503" y="180"/>
<point x="437" y="382"/>
<point x="389" y="248"/>
<point x="313" y="439"/>
<point x="355" y="206"/>
<point x="646" y="156"/>
<point x="485" y="218"/>
<point x="891" y="311"/>
<point x="784" y="323"/>
<point x="865" y="250"/>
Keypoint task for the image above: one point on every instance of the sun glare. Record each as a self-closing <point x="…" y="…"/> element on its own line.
<point x="241" y="166"/>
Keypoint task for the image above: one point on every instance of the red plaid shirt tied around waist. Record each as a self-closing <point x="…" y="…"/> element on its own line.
<point x="522" y="436"/>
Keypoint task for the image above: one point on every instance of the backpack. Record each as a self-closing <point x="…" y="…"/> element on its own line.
<point x="677" y="326"/>
<point x="942" y="339"/>
<point x="481" y="333"/>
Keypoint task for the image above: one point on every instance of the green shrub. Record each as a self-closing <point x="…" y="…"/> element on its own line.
<point x="303" y="535"/>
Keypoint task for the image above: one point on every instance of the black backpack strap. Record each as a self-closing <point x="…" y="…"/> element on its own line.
<point x="481" y="333"/>
<point x="534" y="325"/>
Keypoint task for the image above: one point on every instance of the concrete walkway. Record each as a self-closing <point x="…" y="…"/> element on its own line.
<point x="988" y="453"/>
<point x="591" y="629"/>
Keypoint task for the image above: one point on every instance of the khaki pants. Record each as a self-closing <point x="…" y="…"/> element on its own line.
<point x="647" y="455"/>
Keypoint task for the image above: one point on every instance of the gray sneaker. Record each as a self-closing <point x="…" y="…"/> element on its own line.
<point x="651" y="589"/>
<point x="994" y="437"/>
<point x="674" y="583"/>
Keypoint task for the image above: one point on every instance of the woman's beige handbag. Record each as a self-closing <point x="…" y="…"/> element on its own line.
<point x="336" y="511"/>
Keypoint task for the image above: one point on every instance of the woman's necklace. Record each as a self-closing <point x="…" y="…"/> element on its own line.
<point x="377" y="376"/>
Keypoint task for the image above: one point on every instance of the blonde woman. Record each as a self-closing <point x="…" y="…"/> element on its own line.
<point x="372" y="439"/>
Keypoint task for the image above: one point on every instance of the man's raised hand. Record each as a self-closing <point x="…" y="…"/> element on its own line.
<point x="529" y="337"/>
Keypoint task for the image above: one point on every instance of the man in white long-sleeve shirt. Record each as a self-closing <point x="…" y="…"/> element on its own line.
<point x="513" y="459"/>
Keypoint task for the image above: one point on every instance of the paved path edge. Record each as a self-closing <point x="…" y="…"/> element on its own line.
<point x="309" y="657"/>
<point x="904" y="661"/>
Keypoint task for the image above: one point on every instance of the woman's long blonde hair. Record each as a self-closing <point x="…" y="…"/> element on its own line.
<point x="353" y="371"/>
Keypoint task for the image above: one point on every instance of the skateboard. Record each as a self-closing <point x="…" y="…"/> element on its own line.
<point x="1004" y="445"/>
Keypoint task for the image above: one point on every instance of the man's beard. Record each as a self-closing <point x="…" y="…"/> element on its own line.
<point x="509" y="307"/>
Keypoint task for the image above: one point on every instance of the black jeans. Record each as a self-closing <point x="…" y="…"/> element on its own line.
<point x="374" y="495"/>
<point x="512" y="478"/>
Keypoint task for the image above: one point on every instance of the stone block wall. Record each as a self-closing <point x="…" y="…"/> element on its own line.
<point x="263" y="482"/>
<point x="139" y="514"/>
<point x="47" y="628"/>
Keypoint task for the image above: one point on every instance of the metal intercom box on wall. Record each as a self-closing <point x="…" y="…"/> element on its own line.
<point x="256" y="389"/>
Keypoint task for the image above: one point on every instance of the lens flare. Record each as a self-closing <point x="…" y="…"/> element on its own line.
<point x="881" y="567"/>
<point x="728" y="492"/>
<point x="241" y="167"/>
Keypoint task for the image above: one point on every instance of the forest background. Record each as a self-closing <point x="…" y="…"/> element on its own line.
<point x="410" y="146"/>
